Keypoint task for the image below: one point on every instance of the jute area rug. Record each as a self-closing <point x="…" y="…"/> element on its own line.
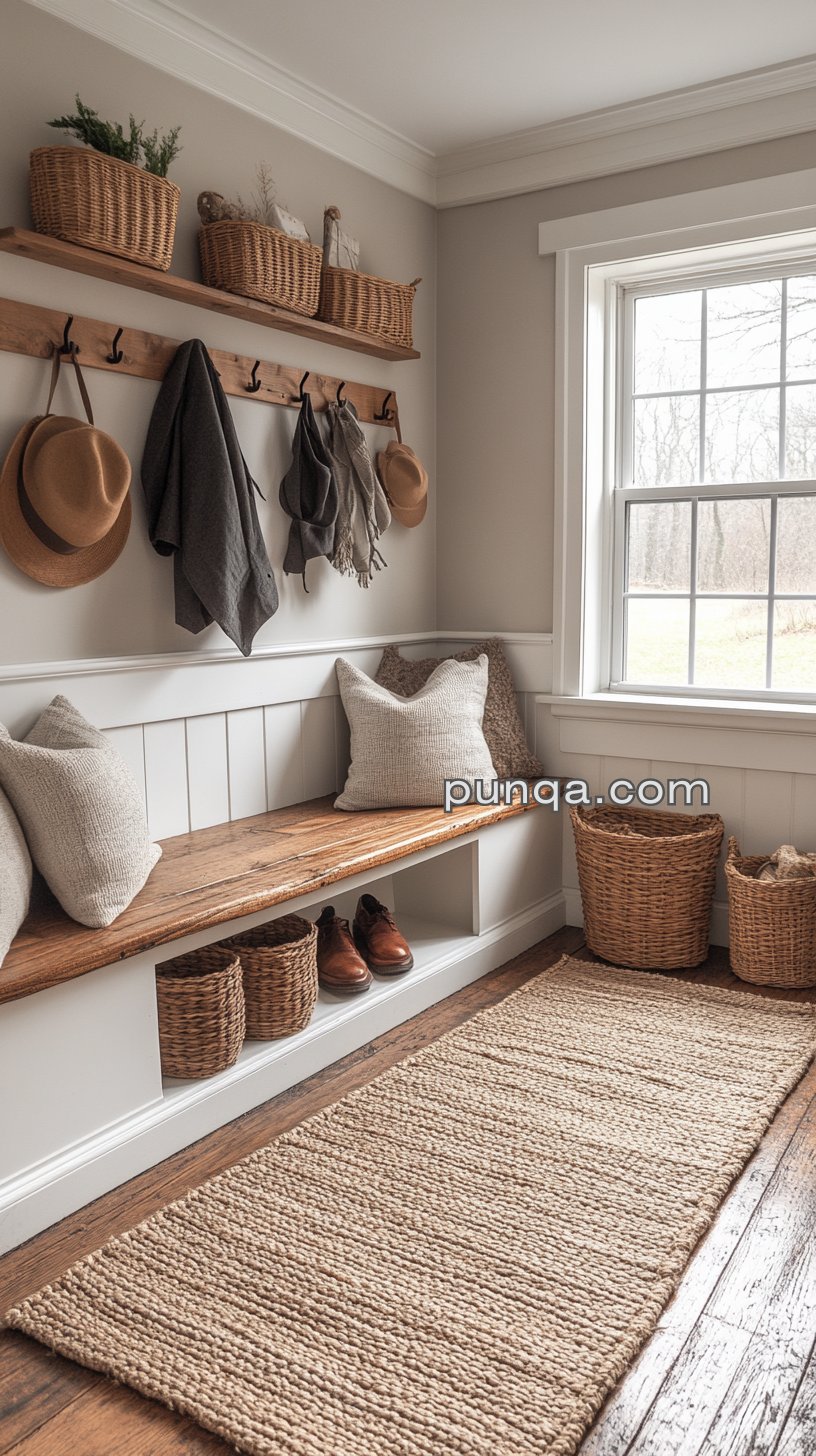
<point x="464" y="1255"/>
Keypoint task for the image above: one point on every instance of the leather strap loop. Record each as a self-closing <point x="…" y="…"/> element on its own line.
<point x="55" y="369"/>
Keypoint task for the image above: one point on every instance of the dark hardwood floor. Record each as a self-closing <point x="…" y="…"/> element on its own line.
<point x="729" y="1371"/>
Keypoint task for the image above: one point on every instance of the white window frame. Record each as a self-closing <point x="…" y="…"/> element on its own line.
<point x="589" y="278"/>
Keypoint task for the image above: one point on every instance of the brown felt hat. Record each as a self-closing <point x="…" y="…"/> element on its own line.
<point x="64" y="502"/>
<point x="405" y="481"/>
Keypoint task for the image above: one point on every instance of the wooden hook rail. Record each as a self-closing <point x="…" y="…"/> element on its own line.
<point x="25" y="328"/>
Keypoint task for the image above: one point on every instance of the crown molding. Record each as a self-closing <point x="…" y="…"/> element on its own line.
<point x="755" y="106"/>
<point x="203" y="56"/>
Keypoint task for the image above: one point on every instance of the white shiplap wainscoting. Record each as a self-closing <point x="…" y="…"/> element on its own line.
<point x="760" y="765"/>
<point x="213" y="737"/>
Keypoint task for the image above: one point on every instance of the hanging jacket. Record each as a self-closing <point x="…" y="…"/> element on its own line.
<point x="201" y="504"/>
<point x="308" y="493"/>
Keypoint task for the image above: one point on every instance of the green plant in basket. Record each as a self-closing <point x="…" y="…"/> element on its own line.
<point x="154" y="153"/>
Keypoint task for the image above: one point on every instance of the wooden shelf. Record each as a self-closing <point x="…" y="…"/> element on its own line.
<point x="167" y="285"/>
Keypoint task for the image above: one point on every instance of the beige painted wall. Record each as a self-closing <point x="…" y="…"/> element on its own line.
<point x="130" y="610"/>
<point x="496" y="372"/>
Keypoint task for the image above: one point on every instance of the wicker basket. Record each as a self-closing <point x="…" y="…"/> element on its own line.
<point x="647" y="883"/>
<point x="772" y="924"/>
<point x="201" y="1012"/>
<point x="261" y="262"/>
<point x="85" y="197"/>
<point x="279" y="962"/>
<point x="368" y="305"/>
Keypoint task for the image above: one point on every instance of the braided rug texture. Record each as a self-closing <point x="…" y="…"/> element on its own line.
<point x="462" y="1256"/>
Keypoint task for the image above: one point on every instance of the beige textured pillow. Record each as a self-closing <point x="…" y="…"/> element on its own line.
<point x="512" y="758"/>
<point x="15" y="876"/>
<point x="403" y="749"/>
<point x="81" y="811"/>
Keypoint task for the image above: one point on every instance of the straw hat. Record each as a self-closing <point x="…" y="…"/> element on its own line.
<point x="64" y="503"/>
<point x="405" y="481"/>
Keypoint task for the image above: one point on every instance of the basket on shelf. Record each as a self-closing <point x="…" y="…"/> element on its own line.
<point x="647" y="883"/>
<point x="261" y="262"/>
<point x="279" y="962"/>
<point x="772" y="924"/>
<point x="85" y="197"/>
<point x="201" y="1012"/>
<point x="368" y="305"/>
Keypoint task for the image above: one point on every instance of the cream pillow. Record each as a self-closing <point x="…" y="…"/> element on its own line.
<point x="15" y="876"/>
<point x="502" y="726"/>
<point x="81" y="811"/>
<point x="403" y="749"/>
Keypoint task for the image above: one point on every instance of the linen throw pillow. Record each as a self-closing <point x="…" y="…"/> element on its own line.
<point x="81" y="811"/>
<point x="403" y="749"/>
<point x="512" y="758"/>
<point x="15" y="876"/>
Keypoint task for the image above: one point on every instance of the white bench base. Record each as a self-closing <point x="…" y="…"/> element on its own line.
<point x="79" y="1063"/>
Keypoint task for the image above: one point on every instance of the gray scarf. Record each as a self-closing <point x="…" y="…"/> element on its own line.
<point x="363" y="512"/>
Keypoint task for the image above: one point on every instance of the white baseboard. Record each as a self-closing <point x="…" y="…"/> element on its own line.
<point x="719" y="915"/>
<point x="189" y="1111"/>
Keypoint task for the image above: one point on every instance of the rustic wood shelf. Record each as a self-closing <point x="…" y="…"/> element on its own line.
<point x="28" y="244"/>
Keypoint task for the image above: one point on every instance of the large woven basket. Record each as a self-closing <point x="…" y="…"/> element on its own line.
<point x="261" y="262"/>
<point x="279" y="962"/>
<point x="368" y="305"/>
<point x="647" y="883"/>
<point x="772" y="924"/>
<point x="85" y="197"/>
<point x="201" y="1012"/>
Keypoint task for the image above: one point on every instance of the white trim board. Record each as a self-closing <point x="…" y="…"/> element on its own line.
<point x="116" y="692"/>
<point x="738" y="738"/>
<point x="758" y="105"/>
<point x="791" y="193"/>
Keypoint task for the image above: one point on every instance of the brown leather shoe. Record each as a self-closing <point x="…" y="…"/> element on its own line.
<point x="340" y="967"/>
<point x="378" y="939"/>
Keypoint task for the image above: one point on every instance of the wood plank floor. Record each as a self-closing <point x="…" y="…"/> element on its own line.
<point x="729" y="1371"/>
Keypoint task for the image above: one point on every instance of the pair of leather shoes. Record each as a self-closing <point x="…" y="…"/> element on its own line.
<point x="347" y="956"/>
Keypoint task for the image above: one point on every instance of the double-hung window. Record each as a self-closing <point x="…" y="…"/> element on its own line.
<point x="714" y="490"/>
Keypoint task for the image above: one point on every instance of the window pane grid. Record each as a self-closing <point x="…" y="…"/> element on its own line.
<point x="747" y="639"/>
<point x="718" y="592"/>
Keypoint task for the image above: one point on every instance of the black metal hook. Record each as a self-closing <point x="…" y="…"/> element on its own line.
<point x="68" y="346"/>
<point x="116" y="356"/>
<point x="341" y="386"/>
<point x="254" y="382"/>
<point x="385" y="413"/>
<point x="303" y="382"/>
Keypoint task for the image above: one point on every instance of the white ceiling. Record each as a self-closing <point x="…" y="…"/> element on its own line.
<point x="450" y="73"/>
<point x="458" y="101"/>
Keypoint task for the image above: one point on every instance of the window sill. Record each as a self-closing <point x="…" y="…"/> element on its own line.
<point x="640" y="707"/>
<point x="749" y="735"/>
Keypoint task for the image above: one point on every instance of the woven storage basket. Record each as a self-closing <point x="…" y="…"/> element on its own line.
<point x="368" y="305"/>
<point x="201" y="1012"/>
<point x="772" y="924"/>
<point x="85" y="197"/>
<point x="647" y="883"/>
<point x="261" y="262"/>
<point x="279" y="962"/>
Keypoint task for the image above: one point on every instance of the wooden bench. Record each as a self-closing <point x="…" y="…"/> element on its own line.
<point x="79" y="1053"/>
<point x="228" y="871"/>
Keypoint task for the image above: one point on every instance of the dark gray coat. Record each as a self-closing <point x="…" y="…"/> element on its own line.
<point x="201" y="504"/>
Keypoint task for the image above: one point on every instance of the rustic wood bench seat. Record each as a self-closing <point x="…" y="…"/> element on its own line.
<point x="211" y="876"/>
